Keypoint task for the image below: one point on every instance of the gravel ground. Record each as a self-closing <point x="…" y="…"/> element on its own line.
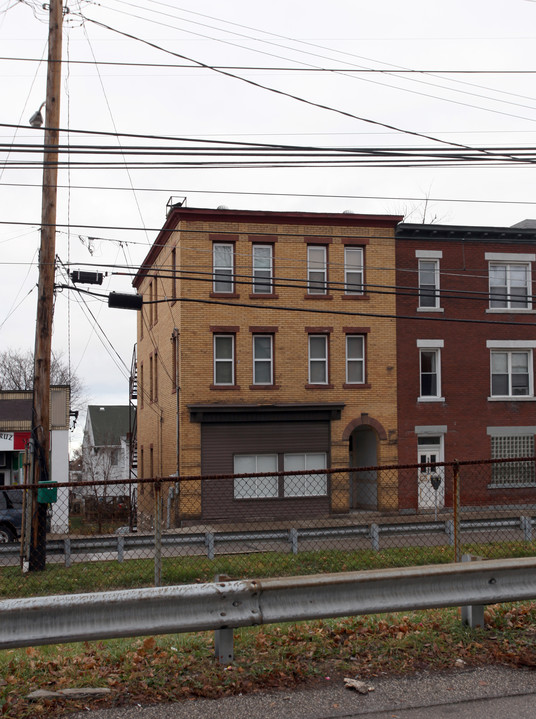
<point x="431" y="694"/>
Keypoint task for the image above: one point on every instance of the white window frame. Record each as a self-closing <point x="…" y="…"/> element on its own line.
<point x="228" y="269"/>
<point x="509" y="300"/>
<point x="429" y="291"/>
<point x="319" y="360"/>
<point x="510" y="352"/>
<point x="313" y="485"/>
<point x="434" y="346"/>
<point x="359" y="361"/>
<point x="354" y="275"/>
<point x="261" y="284"/>
<point x="226" y="360"/>
<point x="317" y="270"/>
<point x="257" y="361"/>
<point x="262" y="487"/>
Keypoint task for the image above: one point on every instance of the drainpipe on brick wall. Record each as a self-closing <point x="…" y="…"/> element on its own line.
<point x="175" y="338"/>
<point x="161" y="443"/>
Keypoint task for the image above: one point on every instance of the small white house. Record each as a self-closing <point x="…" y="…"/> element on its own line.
<point x="105" y="449"/>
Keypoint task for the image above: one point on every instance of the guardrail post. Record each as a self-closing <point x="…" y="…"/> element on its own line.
<point x="472" y="614"/>
<point x="120" y="548"/>
<point x="375" y="537"/>
<point x="526" y="526"/>
<point x="449" y="531"/>
<point x="223" y="638"/>
<point x="456" y="502"/>
<point x="67" y="551"/>
<point x="293" y="536"/>
<point x="157" y="534"/>
<point x="224" y="645"/>
<point x="209" y="544"/>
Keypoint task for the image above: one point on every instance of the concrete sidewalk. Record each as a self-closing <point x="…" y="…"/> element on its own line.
<point x="486" y="692"/>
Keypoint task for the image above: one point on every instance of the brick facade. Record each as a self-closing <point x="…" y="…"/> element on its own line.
<point x="464" y="415"/>
<point x="195" y="311"/>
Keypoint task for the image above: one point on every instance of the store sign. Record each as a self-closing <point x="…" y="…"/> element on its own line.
<point x="6" y="441"/>
<point x="21" y="440"/>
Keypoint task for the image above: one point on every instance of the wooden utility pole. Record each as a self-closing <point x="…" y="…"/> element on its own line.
<point x="45" y="299"/>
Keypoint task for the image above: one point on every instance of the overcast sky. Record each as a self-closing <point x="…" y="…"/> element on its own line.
<point x="122" y="207"/>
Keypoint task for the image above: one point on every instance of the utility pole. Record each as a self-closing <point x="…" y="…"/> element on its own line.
<point x="45" y="299"/>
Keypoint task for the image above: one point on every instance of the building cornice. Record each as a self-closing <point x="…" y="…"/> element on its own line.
<point x="465" y="233"/>
<point x="179" y="214"/>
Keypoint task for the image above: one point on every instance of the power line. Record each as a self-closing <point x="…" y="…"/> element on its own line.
<point x="169" y="138"/>
<point x="279" y="281"/>
<point x="389" y="71"/>
<point x="282" y="93"/>
<point x="251" y="305"/>
<point x="278" y="194"/>
<point x="103" y="337"/>
<point x="358" y="230"/>
<point x="115" y="130"/>
<point x="289" y="133"/>
<point x="235" y="149"/>
<point x="366" y="160"/>
<point x="13" y="308"/>
<point x="221" y="148"/>
<point x="278" y="68"/>
<point x="330" y="286"/>
<point x="285" y="262"/>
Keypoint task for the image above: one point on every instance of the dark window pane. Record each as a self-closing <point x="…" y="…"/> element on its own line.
<point x="429" y="385"/>
<point x="499" y="385"/>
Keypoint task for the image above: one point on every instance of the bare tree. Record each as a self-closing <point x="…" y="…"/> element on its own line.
<point x="17" y="372"/>
<point x="76" y="461"/>
<point x="419" y="211"/>
<point x="98" y="466"/>
<point x="107" y="503"/>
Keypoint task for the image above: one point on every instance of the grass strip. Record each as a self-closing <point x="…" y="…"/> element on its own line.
<point x="177" y="667"/>
<point x="108" y="575"/>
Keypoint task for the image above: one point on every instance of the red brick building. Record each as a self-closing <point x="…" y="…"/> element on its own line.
<point x="466" y="342"/>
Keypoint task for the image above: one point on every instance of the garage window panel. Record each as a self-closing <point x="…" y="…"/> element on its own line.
<point x="261" y="487"/>
<point x="305" y="484"/>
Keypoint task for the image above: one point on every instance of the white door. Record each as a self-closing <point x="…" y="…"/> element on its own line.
<point x="431" y="481"/>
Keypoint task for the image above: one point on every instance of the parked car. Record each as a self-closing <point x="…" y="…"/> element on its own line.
<point x="10" y="515"/>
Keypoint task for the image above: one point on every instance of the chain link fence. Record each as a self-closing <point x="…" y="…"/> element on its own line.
<point x="89" y="536"/>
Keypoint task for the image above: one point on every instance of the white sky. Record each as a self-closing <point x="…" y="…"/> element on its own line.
<point x="488" y="110"/>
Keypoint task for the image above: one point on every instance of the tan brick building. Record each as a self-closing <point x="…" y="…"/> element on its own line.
<point x="279" y="330"/>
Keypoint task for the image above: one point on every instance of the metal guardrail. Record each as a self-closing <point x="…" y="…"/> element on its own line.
<point x="118" y="545"/>
<point x="222" y="605"/>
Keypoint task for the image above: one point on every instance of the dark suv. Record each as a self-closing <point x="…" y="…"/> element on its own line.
<point x="10" y="515"/>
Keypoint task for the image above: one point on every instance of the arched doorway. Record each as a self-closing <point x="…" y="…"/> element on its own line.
<point x="363" y="446"/>
<point x="363" y="435"/>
